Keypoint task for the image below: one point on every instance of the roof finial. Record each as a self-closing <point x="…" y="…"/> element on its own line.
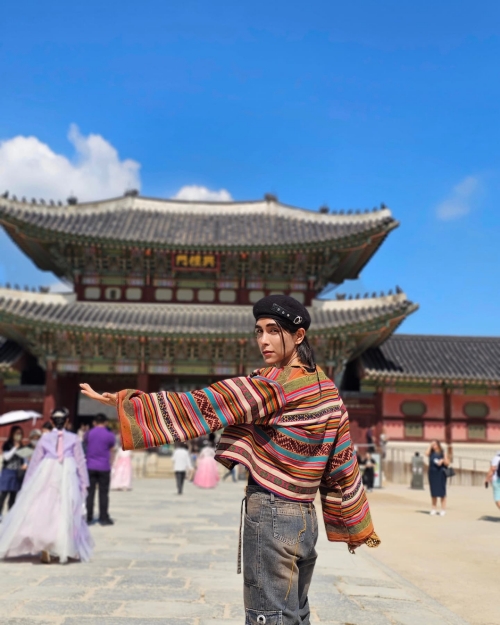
<point x="131" y="193"/>
<point x="72" y="200"/>
<point x="324" y="209"/>
<point x="5" y="195"/>
<point x="270" y="197"/>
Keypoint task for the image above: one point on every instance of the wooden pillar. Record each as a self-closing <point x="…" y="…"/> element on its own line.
<point x="67" y="395"/>
<point x="143" y="382"/>
<point x="447" y="421"/>
<point x="50" y="398"/>
<point x="2" y="396"/>
<point x="379" y="417"/>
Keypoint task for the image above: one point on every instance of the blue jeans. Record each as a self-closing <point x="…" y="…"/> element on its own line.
<point x="278" y="558"/>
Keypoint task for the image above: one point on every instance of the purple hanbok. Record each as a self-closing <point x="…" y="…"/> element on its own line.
<point x="49" y="511"/>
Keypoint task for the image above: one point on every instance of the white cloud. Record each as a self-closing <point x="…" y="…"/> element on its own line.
<point x="461" y="200"/>
<point x="202" y="194"/>
<point x="31" y="168"/>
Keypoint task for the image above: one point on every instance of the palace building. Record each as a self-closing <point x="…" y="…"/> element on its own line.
<point x="161" y="298"/>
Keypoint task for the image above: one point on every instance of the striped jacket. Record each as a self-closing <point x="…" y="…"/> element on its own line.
<point x="288" y="427"/>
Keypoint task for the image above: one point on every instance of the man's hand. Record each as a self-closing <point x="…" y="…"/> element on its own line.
<point x="108" y="399"/>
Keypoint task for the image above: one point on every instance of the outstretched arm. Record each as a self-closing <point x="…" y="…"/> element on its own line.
<point x="345" y="507"/>
<point x="154" y="419"/>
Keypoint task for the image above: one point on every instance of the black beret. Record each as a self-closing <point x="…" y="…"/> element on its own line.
<point x="285" y="308"/>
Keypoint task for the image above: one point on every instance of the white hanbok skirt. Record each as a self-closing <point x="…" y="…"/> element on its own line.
<point x="48" y="515"/>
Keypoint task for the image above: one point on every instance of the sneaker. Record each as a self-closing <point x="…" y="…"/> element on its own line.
<point x="434" y="512"/>
<point x="107" y="522"/>
<point x="442" y="513"/>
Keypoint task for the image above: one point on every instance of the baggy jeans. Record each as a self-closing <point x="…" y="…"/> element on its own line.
<point x="279" y="555"/>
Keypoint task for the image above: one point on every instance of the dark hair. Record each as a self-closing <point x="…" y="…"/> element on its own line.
<point x="439" y="446"/>
<point x="47" y="426"/>
<point x="13" y="430"/>
<point x="100" y="418"/>
<point x="59" y="416"/>
<point x="304" y="350"/>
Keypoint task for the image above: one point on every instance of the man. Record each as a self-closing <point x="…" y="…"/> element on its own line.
<point x="99" y="442"/>
<point x="494" y="477"/>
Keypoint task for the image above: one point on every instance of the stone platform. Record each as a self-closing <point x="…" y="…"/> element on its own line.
<point x="172" y="560"/>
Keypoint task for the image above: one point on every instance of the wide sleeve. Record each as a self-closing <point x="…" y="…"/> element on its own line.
<point x="345" y="507"/>
<point x="151" y="420"/>
<point x="81" y="465"/>
<point x="35" y="460"/>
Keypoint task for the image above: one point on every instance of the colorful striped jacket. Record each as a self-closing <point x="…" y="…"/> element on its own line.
<point x="288" y="427"/>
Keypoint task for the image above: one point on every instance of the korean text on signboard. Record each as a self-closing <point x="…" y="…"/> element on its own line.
<point x="200" y="262"/>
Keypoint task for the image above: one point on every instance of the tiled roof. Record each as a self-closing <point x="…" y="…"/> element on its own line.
<point x="437" y="357"/>
<point x="176" y="223"/>
<point x="9" y="353"/>
<point x="63" y="311"/>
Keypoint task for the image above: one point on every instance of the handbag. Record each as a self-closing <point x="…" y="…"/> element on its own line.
<point x="449" y="471"/>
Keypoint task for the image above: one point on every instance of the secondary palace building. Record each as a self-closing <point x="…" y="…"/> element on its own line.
<point x="162" y="295"/>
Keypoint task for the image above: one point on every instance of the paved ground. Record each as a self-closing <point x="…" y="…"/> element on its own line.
<point x="172" y="560"/>
<point x="454" y="558"/>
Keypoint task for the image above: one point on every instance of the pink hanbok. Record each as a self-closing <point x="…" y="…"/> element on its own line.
<point x="49" y="511"/>
<point x="121" y="473"/>
<point x="207" y="472"/>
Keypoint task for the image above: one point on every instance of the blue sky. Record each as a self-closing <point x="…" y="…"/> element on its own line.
<point x="394" y="102"/>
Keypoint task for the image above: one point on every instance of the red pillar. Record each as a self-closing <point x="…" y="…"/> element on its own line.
<point x="67" y="395"/>
<point x="50" y="398"/>
<point x="143" y="382"/>
<point x="447" y="421"/>
<point x="379" y="417"/>
<point x="2" y="396"/>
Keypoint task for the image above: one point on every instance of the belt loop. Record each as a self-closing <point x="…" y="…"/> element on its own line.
<point x="272" y="497"/>
<point x="238" y="566"/>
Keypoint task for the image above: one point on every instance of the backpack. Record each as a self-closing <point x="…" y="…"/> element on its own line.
<point x="498" y="467"/>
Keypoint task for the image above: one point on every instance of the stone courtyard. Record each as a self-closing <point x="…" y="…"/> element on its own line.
<point x="172" y="560"/>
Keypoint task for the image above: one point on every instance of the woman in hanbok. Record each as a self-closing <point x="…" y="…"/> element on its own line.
<point x="121" y="472"/>
<point x="48" y="517"/>
<point x="207" y="472"/>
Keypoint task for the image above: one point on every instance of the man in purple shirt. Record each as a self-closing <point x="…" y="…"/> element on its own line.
<point x="99" y="441"/>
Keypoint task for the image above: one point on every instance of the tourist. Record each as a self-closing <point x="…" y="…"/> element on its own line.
<point x="47" y="427"/>
<point x="12" y="468"/>
<point x="100" y="441"/>
<point x="207" y="471"/>
<point x="182" y="464"/>
<point x="369" y="440"/>
<point x="232" y="473"/>
<point x="369" y="472"/>
<point x="47" y="518"/>
<point x="276" y="420"/>
<point x="82" y="434"/>
<point x="493" y="476"/>
<point x="27" y="451"/>
<point x="121" y="473"/>
<point x="438" y="461"/>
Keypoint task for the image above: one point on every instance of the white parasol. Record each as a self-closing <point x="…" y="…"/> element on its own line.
<point x="14" y="416"/>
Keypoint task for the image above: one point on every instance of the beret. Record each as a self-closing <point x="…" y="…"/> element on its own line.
<point x="285" y="308"/>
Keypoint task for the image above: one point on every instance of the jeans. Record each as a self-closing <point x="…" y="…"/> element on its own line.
<point x="180" y="476"/>
<point x="102" y="479"/>
<point x="278" y="558"/>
